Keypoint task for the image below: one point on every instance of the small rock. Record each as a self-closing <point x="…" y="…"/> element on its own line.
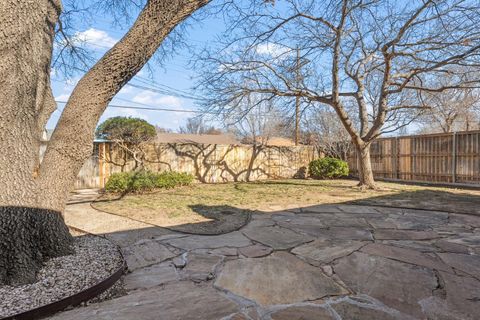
<point x="179" y="262"/>
<point x="328" y="270"/>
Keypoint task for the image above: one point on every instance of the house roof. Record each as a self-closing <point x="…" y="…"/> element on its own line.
<point x="196" y="138"/>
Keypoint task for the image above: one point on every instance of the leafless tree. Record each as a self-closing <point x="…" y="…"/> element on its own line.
<point x="369" y="60"/>
<point x="197" y="125"/>
<point x="33" y="193"/>
<point x="254" y="121"/>
<point x="456" y="109"/>
<point x="323" y="130"/>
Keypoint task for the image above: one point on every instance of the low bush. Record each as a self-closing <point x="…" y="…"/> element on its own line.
<point x="328" y="168"/>
<point x="144" y="181"/>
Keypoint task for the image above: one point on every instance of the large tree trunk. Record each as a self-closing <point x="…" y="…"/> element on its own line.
<point x="364" y="165"/>
<point x="28" y="236"/>
<point x="34" y="195"/>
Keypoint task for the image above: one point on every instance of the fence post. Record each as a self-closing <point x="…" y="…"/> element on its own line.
<point x="397" y="158"/>
<point x="454" y="157"/>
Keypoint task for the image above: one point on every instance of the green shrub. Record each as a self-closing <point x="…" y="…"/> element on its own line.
<point x="328" y="168"/>
<point x="145" y="181"/>
<point x="118" y="182"/>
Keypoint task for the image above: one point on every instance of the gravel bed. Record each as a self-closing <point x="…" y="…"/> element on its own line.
<point x="95" y="259"/>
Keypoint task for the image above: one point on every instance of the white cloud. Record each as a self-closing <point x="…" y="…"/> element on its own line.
<point x="63" y="97"/>
<point x="126" y="90"/>
<point x="95" y="38"/>
<point x="156" y="99"/>
<point x="271" y="49"/>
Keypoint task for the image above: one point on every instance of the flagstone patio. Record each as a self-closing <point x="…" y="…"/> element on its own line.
<point x="317" y="262"/>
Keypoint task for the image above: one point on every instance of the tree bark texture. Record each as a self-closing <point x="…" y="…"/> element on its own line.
<point x="28" y="236"/>
<point x="34" y="194"/>
<point x="364" y="165"/>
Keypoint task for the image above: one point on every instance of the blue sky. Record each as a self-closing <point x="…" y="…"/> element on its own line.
<point x="100" y="35"/>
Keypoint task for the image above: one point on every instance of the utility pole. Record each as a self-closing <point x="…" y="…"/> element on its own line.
<point x="297" y="99"/>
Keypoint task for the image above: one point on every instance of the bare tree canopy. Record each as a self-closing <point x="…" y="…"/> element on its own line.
<point x="197" y="125"/>
<point x="455" y="109"/>
<point x="367" y="60"/>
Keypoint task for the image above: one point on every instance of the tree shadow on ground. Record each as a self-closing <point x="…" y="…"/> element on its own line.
<point x="460" y="202"/>
<point x="221" y="219"/>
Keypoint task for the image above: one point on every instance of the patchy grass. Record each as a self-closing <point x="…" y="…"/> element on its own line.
<point x="200" y="204"/>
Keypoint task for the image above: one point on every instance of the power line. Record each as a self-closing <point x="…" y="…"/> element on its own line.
<point x="166" y="92"/>
<point x="151" y="108"/>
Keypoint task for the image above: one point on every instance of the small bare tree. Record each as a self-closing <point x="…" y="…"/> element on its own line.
<point x="197" y="125"/>
<point x="254" y="121"/>
<point x="368" y="60"/>
<point x="323" y="130"/>
<point x="455" y="109"/>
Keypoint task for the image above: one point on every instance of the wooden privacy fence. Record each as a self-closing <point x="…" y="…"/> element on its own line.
<point x="436" y="158"/>
<point x="209" y="163"/>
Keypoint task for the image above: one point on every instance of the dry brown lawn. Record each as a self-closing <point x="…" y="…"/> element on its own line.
<point x="200" y="204"/>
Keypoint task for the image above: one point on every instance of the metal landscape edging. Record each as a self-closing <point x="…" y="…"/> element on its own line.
<point x="73" y="300"/>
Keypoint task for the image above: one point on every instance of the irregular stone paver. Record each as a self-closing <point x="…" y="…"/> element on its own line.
<point x="255" y="251"/>
<point x="225" y="251"/>
<point x="448" y="246"/>
<point x="128" y="238"/>
<point x="358" y="312"/>
<point x="152" y="276"/>
<point x="314" y="230"/>
<point x="181" y="300"/>
<point x="462" y="294"/>
<point x="409" y="222"/>
<point x="323" y="208"/>
<point x="396" y="284"/>
<point x="469" y="264"/>
<point x="232" y="239"/>
<point x="302" y="313"/>
<point x="350" y="221"/>
<point x="359" y="210"/>
<point x="467" y="239"/>
<point x="406" y="255"/>
<point x="392" y="234"/>
<point x="461" y="300"/>
<point x="326" y="251"/>
<point x="276" y="237"/>
<point x="464" y="220"/>
<point x="146" y="253"/>
<point x="200" y="267"/>
<point x="420" y="246"/>
<point x="280" y="278"/>
<point x="346" y="233"/>
<point x="296" y="220"/>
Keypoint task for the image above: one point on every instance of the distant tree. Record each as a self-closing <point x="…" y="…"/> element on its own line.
<point x="254" y="121"/>
<point x="455" y="109"/>
<point x="130" y="134"/>
<point x="197" y="125"/>
<point x="323" y="130"/>
<point x="162" y="130"/>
